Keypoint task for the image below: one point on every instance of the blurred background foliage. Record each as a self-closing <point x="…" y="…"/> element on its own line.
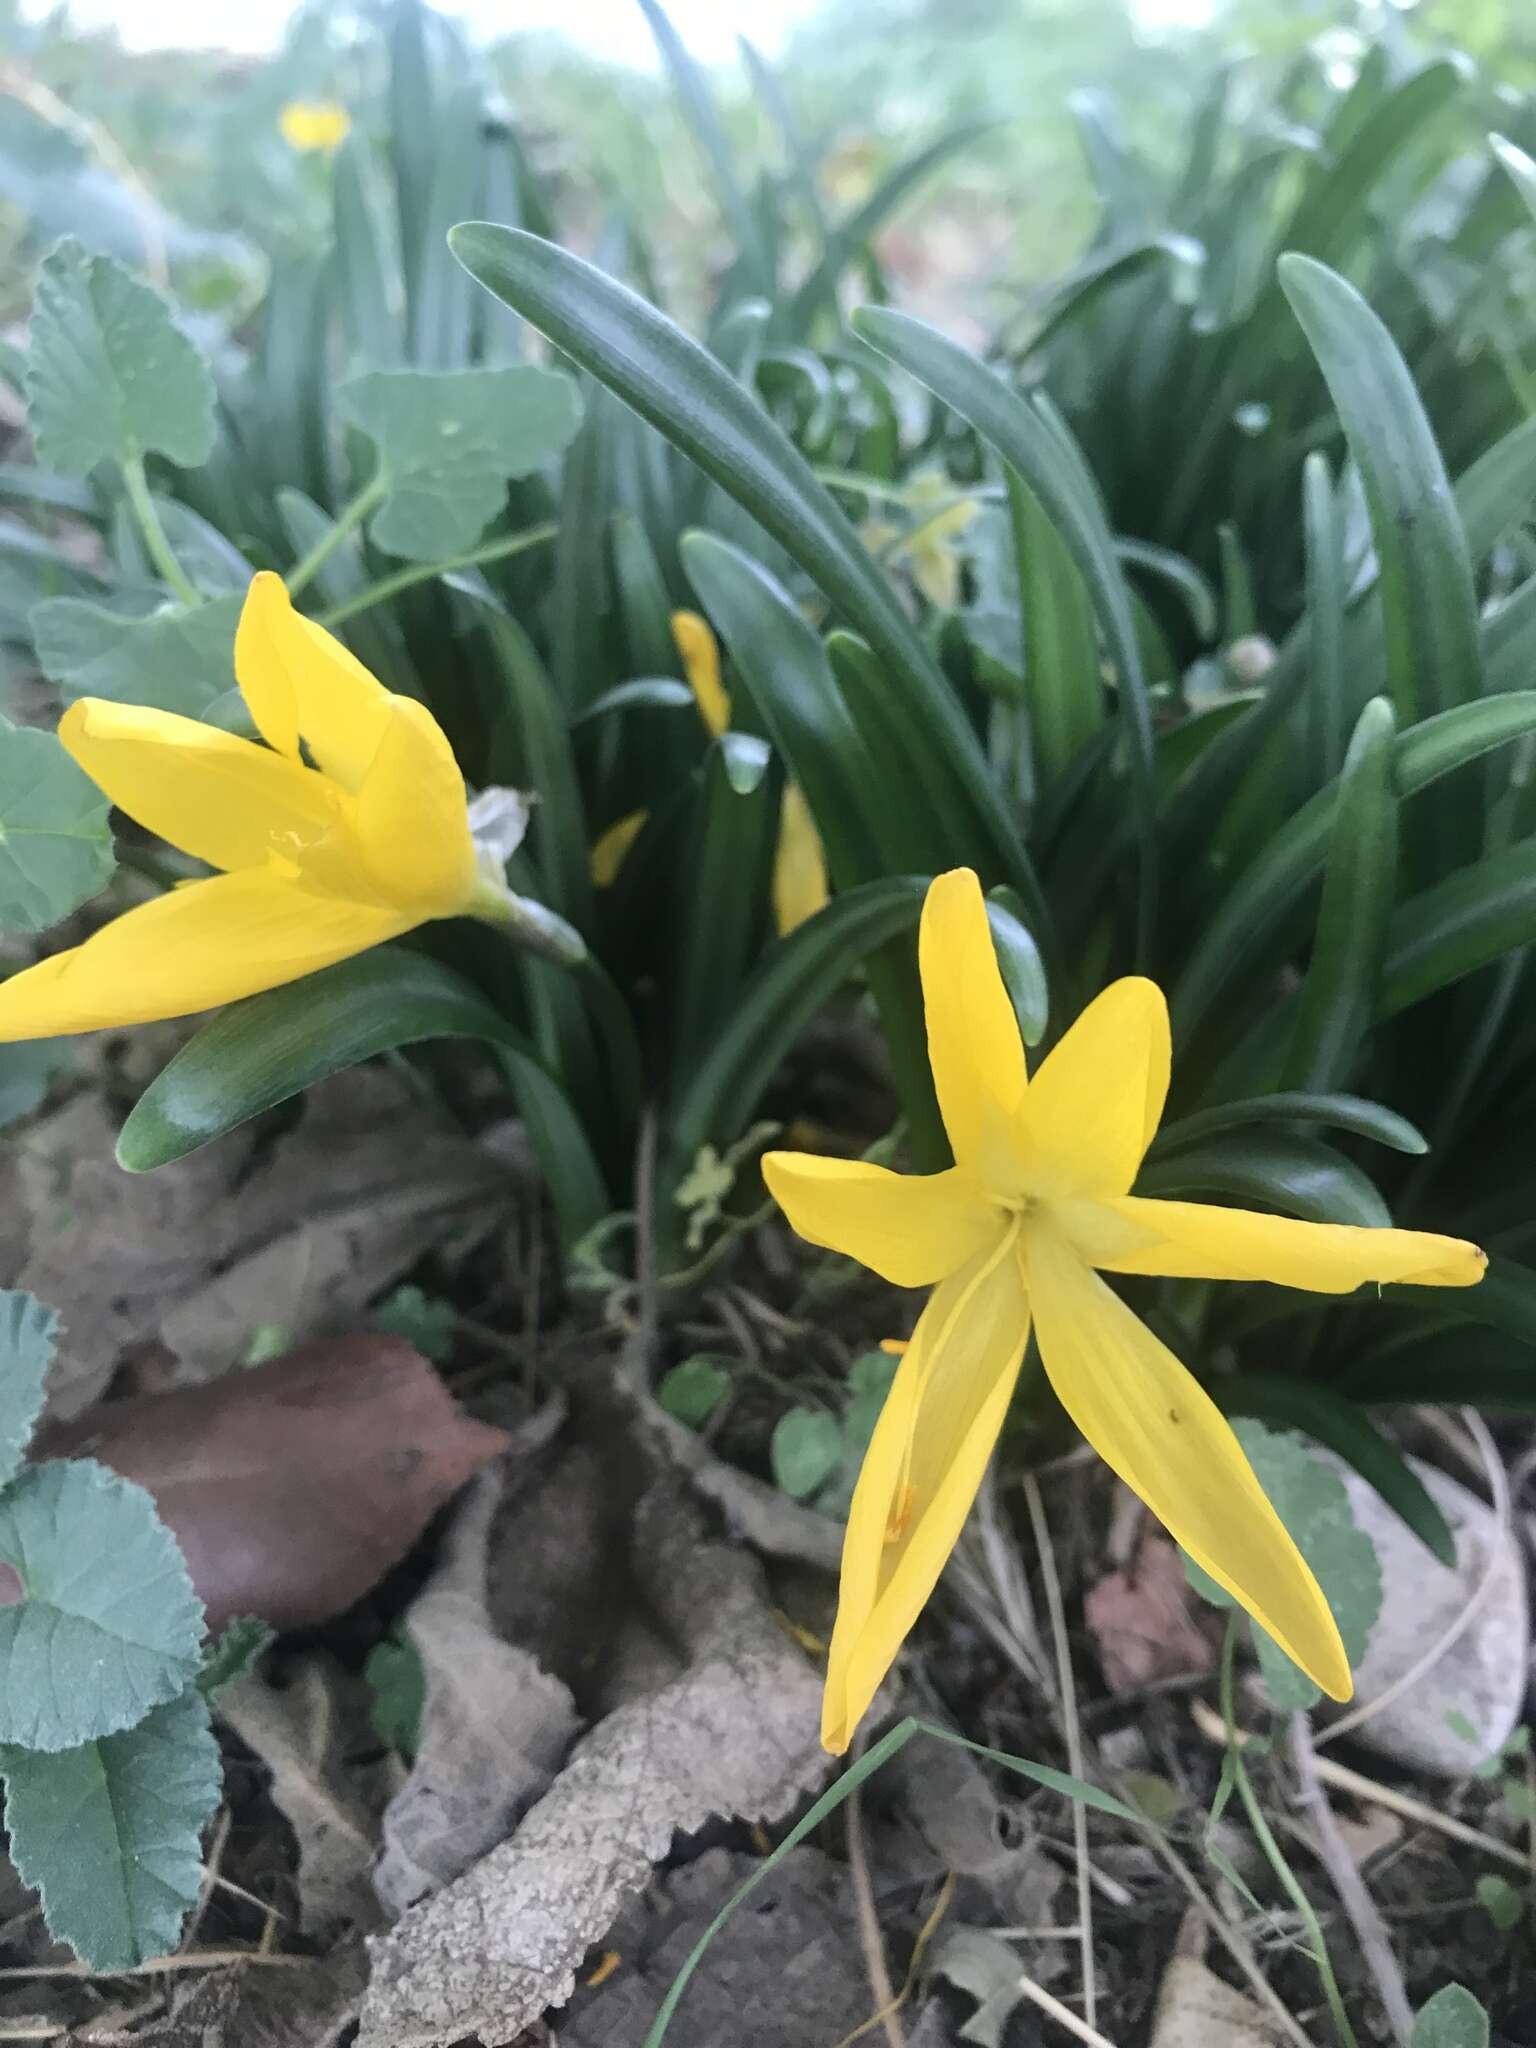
<point x="200" y="126"/>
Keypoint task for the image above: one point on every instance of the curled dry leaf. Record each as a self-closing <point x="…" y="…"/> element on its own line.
<point x="735" y="1734"/>
<point x="1144" y="1622"/>
<point x="293" y="1487"/>
<point x="494" y="1731"/>
<point x="1198" y="2009"/>
<point x="311" y="1734"/>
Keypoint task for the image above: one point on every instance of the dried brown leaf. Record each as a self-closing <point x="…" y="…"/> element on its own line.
<point x="1143" y="1620"/>
<point x="293" y="1487"/>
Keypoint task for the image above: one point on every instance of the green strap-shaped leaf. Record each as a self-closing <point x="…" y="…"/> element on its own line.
<point x="55" y="840"/>
<point x="108" y="1625"/>
<point x="29" y="1333"/>
<point x="109" y="1833"/>
<point x="1473" y="917"/>
<point x="1340" y="1426"/>
<point x="1299" y="1176"/>
<point x="448" y="441"/>
<point x="1429" y="607"/>
<point x="110" y="376"/>
<point x="1521" y="168"/>
<point x="796" y="977"/>
<point x="1324" y="618"/>
<point x="692" y="399"/>
<point x="1062" y="671"/>
<point x="1342" y="1112"/>
<point x="1244" y="924"/>
<point x="180" y="658"/>
<point x="1035" y="446"/>
<point x="261" y="1052"/>
<point x="725" y="891"/>
<point x="1340" y="994"/>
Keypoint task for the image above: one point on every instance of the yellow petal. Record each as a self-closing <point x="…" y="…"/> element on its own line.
<point x="297" y="678"/>
<point x="911" y="1229"/>
<point x="207" y="943"/>
<point x="1095" y="1101"/>
<point x="1197" y="1241"/>
<point x="612" y="848"/>
<point x="936" y="572"/>
<point x="700" y="653"/>
<point x="1154" y="1424"/>
<point x="921" y="1472"/>
<point x="413" y="817"/>
<point x="974" y="1045"/>
<point x="799" y="867"/>
<point x="218" y="797"/>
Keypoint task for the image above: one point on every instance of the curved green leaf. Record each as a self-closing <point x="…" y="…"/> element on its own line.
<point x="726" y="891"/>
<point x="1471" y="918"/>
<point x="1244" y="925"/>
<point x="1324" y="617"/>
<point x="1429" y="606"/>
<point x="261" y="1052"/>
<point x="1298" y="1176"/>
<point x="1018" y="958"/>
<point x="645" y="693"/>
<point x="1036" y="447"/>
<point x="1339" y="996"/>
<point x="692" y="399"/>
<point x="1342" y="1112"/>
<point x="796" y="977"/>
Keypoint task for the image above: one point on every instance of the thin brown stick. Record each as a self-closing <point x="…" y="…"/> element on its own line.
<point x="870" y="1938"/>
<point x="204" y="1959"/>
<point x="1067" y="1695"/>
<point x="1354" y="1893"/>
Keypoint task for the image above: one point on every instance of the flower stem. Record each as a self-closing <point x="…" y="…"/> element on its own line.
<point x="161" y="553"/>
<point x="349" y="518"/>
<point x="423" y="572"/>
<point x="1272" y="1850"/>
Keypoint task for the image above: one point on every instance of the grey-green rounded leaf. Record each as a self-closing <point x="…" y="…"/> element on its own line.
<point x="179" y="658"/>
<point x="448" y="442"/>
<point x="29" y="1332"/>
<point x="108" y="1624"/>
<point x="55" y="840"/>
<point x="109" y="374"/>
<point x="109" y="1833"/>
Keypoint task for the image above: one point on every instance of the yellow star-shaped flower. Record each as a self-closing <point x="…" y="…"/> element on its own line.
<point x="1016" y="1233"/>
<point x="348" y="827"/>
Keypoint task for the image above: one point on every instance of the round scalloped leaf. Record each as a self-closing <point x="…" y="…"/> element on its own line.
<point x="1313" y="1502"/>
<point x="179" y="658"/>
<point x="28" y="1337"/>
<point x="448" y="442"/>
<point x="108" y="1624"/>
<point x="110" y="1833"/>
<point x="109" y="374"/>
<point x="55" y="838"/>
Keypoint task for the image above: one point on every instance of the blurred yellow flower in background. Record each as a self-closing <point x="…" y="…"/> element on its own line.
<point x="314" y="124"/>
<point x="799" y="866"/>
